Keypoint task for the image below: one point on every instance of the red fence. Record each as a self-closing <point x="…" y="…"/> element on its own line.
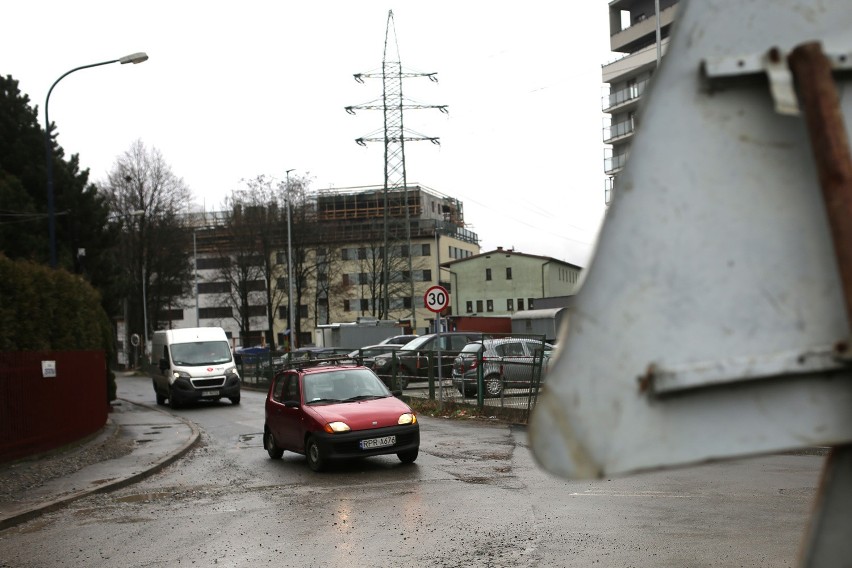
<point x="40" y="412"/>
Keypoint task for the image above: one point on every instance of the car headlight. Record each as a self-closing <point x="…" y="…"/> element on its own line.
<point x="407" y="418"/>
<point x="232" y="372"/>
<point x="380" y="361"/>
<point x="181" y="375"/>
<point x="333" y="427"/>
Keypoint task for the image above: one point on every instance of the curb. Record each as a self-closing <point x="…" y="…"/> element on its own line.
<point x="60" y="502"/>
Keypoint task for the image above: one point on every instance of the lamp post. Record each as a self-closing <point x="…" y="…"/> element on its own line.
<point x="195" y="261"/>
<point x="290" y="270"/>
<point x="51" y="216"/>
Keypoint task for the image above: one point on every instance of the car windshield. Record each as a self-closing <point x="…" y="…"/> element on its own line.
<point x="418" y="343"/>
<point x="343" y="385"/>
<point x="201" y="353"/>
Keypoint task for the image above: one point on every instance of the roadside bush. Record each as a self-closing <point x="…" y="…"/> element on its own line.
<point x="42" y="309"/>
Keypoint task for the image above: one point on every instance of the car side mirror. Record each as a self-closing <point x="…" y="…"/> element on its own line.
<point x="163" y="365"/>
<point x="397" y="393"/>
<point x="291" y="403"/>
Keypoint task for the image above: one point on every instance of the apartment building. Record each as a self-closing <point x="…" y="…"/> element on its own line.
<point x="503" y="281"/>
<point x="350" y="228"/>
<point x="633" y="28"/>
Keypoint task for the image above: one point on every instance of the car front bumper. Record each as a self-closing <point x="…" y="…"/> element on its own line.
<point x="347" y="445"/>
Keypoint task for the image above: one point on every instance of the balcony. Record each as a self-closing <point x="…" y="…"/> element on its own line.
<point x="613" y="164"/>
<point x="618" y="131"/>
<point x="628" y="39"/>
<point x="616" y="100"/>
<point x="633" y="64"/>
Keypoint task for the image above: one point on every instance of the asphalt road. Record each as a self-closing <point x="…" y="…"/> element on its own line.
<point x="475" y="497"/>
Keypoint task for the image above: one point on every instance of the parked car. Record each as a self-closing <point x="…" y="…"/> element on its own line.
<point x="397" y="340"/>
<point x="367" y="355"/>
<point x="506" y="363"/>
<point x="332" y="412"/>
<point x="414" y="358"/>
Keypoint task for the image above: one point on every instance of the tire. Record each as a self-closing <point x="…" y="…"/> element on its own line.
<point x="235" y="399"/>
<point x="314" y="455"/>
<point x="493" y="385"/>
<point x="173" y="401"/>
<point x="402" y="374"/>
<point x="408" y="456"/>
<point x="271" y="447"/>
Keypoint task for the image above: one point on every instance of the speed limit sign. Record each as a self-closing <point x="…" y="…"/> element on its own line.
<point x="436" y="299"/>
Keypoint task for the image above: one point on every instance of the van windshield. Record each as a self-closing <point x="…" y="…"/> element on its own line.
<point x="201" y="353"/>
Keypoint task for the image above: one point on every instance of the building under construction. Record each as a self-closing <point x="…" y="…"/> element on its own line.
<point x="359" y="214"/>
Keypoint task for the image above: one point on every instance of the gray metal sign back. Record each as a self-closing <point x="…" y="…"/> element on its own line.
<point x="709" y="320"/>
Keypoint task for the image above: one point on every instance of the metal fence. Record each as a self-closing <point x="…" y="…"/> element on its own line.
<point x="49" y="399"/>
<point x="497" y="381"/>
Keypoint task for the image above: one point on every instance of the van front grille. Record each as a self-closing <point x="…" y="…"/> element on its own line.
<point x="207" y="383"/>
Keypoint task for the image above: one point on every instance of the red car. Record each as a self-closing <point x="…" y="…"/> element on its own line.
<point x="333" y="412"/>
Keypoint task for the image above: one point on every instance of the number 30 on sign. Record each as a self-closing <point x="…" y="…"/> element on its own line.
<point x="436" y="299"/>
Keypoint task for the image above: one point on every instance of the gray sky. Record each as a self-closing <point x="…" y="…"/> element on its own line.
<point x="234" y="90"/>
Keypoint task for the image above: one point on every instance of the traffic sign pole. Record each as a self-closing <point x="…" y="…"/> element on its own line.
<point x="436" y="299"/>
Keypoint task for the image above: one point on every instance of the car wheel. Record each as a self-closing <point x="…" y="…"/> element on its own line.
<point x="402" y="374"/>
<point x="173" y="401"/>
<point x="271" y="447"/>
<point x="235" y="399"/>
<point x="408" y="456"/>
<point x="493" y="385"/>
<point x="313" y="453"/>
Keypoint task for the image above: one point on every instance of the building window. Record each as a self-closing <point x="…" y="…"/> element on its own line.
<point x="469" y="306"/>
<point x="215" y="313"/>
<point x="530" y="304"/>
<point x="406" y="302"/>
<point x="256" y="286"/>
<point x="282" y="313"/>
<point x="510" y="305"/>
<point x="213" y="262"/>
<point x="346" y="307"/>
<point x="344" y="254"/>
<point x="365" y="305"/>
<point x="508" y="273"/>
<point x="257" y="311"/>
<point x="489" y="305"/>
<point x="214" y="287"/>
<point x="427" y="251"/>
<point x="427" y="275"/>
<point x="520" y="304"/>
<point x="479" y="306"/>
<point x="488" y="274"/>
<point x="171" y="315"/>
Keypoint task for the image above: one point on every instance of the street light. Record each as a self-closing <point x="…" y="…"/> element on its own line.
<point x="290" y="270"/>
<point x="132" y="58"/>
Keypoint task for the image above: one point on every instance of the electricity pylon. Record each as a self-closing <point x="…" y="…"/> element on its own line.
<point x="394" y="135"/>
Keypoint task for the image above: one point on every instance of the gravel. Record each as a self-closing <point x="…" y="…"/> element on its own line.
<point x="29" y="473"/>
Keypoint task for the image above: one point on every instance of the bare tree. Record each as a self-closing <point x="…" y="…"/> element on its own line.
<point x="150" y="201"/>
<point x="257" y="229"/>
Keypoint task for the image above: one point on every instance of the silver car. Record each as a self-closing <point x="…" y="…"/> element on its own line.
<point x="510" y="362"/>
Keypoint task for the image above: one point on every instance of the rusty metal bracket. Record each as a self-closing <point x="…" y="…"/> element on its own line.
<point x="774" y="64"/>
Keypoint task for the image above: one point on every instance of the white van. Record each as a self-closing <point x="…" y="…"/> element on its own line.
<point x="192" y="364"/>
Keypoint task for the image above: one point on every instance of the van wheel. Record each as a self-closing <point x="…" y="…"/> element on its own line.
<point x="235" y="399"/>
<point x="173" y="401"/>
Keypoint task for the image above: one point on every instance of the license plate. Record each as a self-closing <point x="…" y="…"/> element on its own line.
<point x="378" y="442"/>
<point x="210" y="393"/>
